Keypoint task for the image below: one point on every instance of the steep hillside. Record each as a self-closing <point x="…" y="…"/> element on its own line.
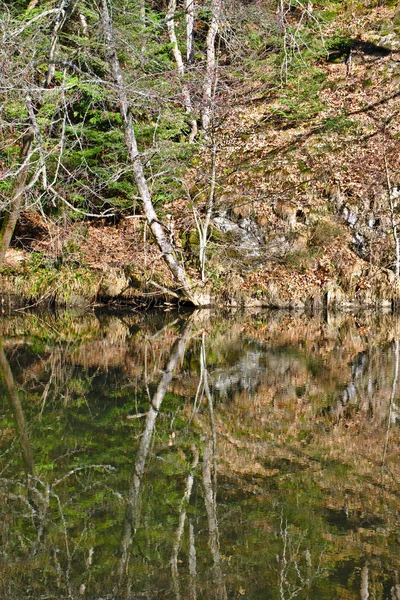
<point x="309" y="172"/>
<point x="301" y="179"/>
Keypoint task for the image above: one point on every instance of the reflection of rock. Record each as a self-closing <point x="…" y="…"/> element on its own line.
<point x="395" y="414"/>
<point x="244" y="375"/>
<point x="370" y="386"/>
<point x="116" y="331"/>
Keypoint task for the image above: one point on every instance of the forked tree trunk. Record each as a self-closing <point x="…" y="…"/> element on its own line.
<point x="180" y="66"/>
<point x="11" y="217"/>
<point x="64" y="9"/>
<point x="211" y="67"/>
<point x="189" y="10"/>
<point x="157" y="229"/>
<point x="203" y="225"/>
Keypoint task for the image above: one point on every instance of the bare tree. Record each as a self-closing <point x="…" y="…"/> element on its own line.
<point x="211" y="66"/>
<point x="186" y="289"/>
<point x="203" y="224"/>
<point x="65" y="8"/>
<point x="180" y="65"/>
<point x="190" y="11"/>
<point x="11" y="217"/>
<point x="393" y="195"/>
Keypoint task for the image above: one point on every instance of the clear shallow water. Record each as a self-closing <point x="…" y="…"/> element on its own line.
<point x="196" y="456"/>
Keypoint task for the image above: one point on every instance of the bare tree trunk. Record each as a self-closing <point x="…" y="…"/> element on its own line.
<point x="203" y="226"/>
<point x="211" y="66"/>
<point x="189" y="10"/>
<point x="392" y="207"/>
<point x="64" y="9"/>
<point x="10" y="219"/>
<point x="364" y="593"/>
<point x="180" y="66"/>
<point x="192" y="563"/>
<point x="156" y="227"/>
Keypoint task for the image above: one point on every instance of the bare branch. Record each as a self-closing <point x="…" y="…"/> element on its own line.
<point x="42" y="15"/>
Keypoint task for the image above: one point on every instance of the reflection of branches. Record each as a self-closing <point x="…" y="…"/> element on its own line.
<point x="182" y="518"/>
<point x="210" y="457"/>
<point x="131" y="513"/>
<point x="192" y="563"/>
<point x="295" y="566"/>
<point x="40" y="492"/>
<point x="204" y="376"/>
<point x="391" y="402"/>
<point x="364" y="593"/>
<point x="211" y="508"/>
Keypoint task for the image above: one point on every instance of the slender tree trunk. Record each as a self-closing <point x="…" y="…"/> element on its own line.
<point x="189" y="10"/>
<point x="203" y="226"/>
<point x="364" y="592"/>
<point x="143" y="12"/>
<point x="180" y="66"/>
<point x="10" y="219"/>
<point x="393" y="217"/>
<point x="65" y="8"/>
<point x="156" y="227"/>
<point x="211" y="67"/>
<point x="392" y="207"/>
<point x="192" y="563"/>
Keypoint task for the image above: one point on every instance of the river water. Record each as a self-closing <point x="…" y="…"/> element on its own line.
<point x="199" y="456"/>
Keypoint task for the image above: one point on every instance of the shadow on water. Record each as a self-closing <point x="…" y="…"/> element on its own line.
<point x="196" y="455"/>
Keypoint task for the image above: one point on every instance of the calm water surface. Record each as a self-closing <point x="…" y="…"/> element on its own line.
<point x="196" y="456"/>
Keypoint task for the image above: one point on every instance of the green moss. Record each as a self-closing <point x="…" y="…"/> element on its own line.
<point x="45" y="280"/>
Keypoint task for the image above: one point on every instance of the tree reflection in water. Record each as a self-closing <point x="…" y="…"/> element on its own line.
<point x="132" y="505"/>
<point x="199" y="456"/>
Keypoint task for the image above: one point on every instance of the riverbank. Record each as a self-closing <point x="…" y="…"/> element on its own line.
<point x="302" y="185"/>
<point x="115" y="264"/>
